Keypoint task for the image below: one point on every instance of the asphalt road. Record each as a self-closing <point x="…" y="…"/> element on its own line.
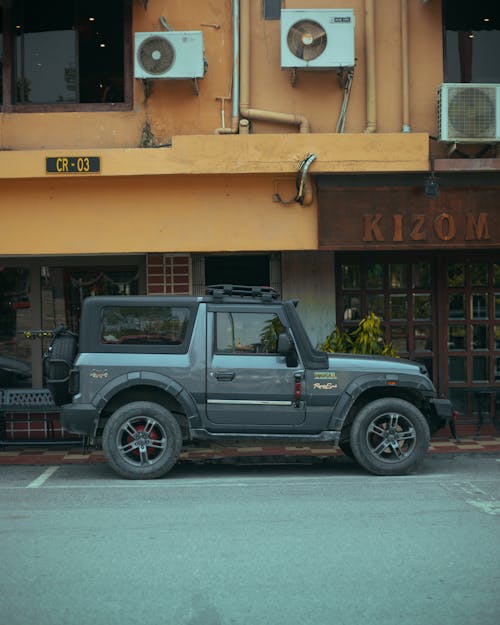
<point x="221" y="545"/>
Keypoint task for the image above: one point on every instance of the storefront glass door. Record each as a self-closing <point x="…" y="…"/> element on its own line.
<point x="472" y="322"/>
<point x="442" y="310"/>
<point x="400" y="292"/>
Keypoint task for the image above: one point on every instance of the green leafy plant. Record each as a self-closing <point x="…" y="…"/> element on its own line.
<point x="366" y="338"/>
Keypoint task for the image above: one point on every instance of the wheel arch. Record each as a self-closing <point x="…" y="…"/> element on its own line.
<point x="362" y="392"/>
<point x="151" y="387"/>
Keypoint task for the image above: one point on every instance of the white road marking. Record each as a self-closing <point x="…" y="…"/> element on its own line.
<point x="41" y="479"/>
<point x="490" y="507"/>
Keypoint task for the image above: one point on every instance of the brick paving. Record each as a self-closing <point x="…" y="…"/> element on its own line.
<point x="72" y="454"/>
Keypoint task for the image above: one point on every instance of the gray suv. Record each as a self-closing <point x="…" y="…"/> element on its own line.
<point x="148" y="374"/>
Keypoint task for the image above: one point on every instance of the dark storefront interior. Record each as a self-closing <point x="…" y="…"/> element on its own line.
<point x="38" y="295"/>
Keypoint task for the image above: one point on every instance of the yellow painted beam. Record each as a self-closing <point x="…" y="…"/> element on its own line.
<point x="240" y="154"/>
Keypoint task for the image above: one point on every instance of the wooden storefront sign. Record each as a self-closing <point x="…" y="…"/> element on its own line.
<point x="404" y="218"/>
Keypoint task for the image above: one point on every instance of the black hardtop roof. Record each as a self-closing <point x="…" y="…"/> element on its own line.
<point x="223" y="293"/>
<point x="134" y="300"/>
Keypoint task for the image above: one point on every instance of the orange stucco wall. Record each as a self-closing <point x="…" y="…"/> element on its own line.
<point x="174" y="109"/>
<point x="152" y="213"/>
<point x="143" y="200"/>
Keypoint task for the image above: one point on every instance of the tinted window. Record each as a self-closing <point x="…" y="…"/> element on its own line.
<point x="68" y="51"/>
<point x="144" y="325"/>
<point x="472" y="41"/>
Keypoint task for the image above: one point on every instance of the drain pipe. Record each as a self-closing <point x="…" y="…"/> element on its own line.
<point x="235" y="115"/>
<point x="245" y="110"/>
<point x="405" y="67"/>
<point x="371" y="101"/>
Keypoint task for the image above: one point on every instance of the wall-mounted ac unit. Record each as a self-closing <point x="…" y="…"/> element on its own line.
<point x="469" y="113"/>
<point x="170" y="54"/>
<point x="317" y="38"/>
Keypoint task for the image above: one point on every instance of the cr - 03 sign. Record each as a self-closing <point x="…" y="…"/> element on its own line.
<point x="73" y="164"/>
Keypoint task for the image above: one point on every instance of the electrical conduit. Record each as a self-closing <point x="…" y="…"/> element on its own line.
<point x="371" y="100"/>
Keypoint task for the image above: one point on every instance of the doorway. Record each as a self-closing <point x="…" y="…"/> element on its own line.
<point x="244" y="269"/>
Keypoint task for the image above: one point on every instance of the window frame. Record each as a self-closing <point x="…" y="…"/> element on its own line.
<point x="8" y="106"/>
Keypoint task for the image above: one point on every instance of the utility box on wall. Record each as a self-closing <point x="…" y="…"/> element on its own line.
<point x="469" y="113"/>
<point x="317" y="38"/>
<point x="169" y="55"/>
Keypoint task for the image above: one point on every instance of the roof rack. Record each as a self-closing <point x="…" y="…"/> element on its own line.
<point x="263" y="293"/>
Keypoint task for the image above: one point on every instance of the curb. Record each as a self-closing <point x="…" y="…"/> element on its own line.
<point x="66" y="454"/>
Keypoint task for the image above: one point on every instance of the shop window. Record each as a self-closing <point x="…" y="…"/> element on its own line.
<point x="423" y="338"/>
<point x="15" y="317"/>
<point x="63" y="291"/>
<point x="472" y="41"/>
<point x="399" y="293"/>
<point x="422" y="306"/>
<point x="67" y="52"/>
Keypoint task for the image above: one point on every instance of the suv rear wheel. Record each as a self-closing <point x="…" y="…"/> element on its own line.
<point x="389" y="436"/>
<point x="142" y="440"/>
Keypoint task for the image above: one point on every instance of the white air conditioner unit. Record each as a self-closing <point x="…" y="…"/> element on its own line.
<point x="317" y="38"/>
<point x="469" y="113"/>
<point x="170" y="54"/>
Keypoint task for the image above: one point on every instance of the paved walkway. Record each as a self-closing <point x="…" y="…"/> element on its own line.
<point x="73" y="454"/>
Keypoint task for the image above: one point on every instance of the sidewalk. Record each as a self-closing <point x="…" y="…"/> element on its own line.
<point x="72" y="454"/>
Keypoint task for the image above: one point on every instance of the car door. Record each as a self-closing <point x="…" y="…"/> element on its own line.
<point x="249" y="385"/>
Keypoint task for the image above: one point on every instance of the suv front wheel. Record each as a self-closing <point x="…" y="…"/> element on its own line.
<point x="142" y="440"/>
<point x="389" y="436"/>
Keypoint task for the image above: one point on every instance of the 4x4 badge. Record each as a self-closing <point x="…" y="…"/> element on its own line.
<point x="325" y="375"/>
<point x="98" y="374"/>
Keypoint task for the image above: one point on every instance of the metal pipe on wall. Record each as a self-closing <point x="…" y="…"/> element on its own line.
<point x="235" y="95"/>
<point x="245" y="110"/>
<point x="405" y="75"/>
<point x="371" y="98"/>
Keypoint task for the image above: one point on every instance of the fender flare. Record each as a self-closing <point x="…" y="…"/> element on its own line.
<point x="141" y="378"/>
<point x="368" y="382"/>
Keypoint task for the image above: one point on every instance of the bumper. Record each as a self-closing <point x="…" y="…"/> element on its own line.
<point x="79" y="418"/>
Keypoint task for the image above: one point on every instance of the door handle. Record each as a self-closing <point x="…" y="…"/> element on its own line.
<point x="224" y="376"/>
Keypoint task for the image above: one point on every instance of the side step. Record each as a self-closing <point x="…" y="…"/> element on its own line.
<point x="327" y="436"/>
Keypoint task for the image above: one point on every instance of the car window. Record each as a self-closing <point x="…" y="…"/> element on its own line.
<point x="247" y="332"/>
<point x="144" y="325"/>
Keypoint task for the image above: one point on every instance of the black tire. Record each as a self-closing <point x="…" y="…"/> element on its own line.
<point x="389" y="436"/>
<point x="142" y="441"/>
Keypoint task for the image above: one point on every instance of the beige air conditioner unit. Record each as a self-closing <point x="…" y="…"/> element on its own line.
<point x="469" y="113"/>
<point x="317" y="38"/>
<point x="169" y="55"/>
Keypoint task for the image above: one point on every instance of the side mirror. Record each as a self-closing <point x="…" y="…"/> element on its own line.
<point x="284" y="344"/>
<point x="287" y="349"/>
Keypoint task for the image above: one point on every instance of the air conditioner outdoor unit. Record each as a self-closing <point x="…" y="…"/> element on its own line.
<point x="171" y="54"/>
<point x="469" y="113"/>
<point x="317" y="38"/>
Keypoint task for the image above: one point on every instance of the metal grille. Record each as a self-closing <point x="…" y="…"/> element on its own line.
<point x="468" y="112"/>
